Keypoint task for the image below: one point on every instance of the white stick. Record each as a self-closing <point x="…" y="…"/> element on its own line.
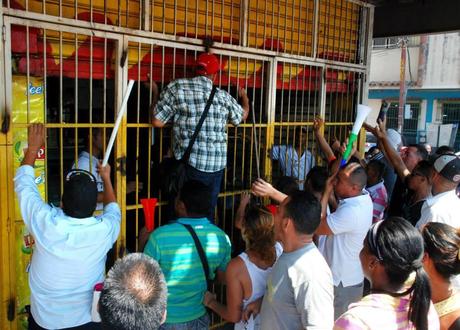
<point x="117" y="123"/>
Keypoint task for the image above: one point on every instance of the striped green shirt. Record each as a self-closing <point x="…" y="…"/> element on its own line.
<point x="174" y="249"/>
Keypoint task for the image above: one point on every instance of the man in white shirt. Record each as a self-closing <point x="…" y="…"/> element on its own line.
<point x="346" y="228"/>
<point x="70" y="244"/>
<point x="444" y="205"/>
<point x="294" y="160"/>
<point x="88" y="160"/>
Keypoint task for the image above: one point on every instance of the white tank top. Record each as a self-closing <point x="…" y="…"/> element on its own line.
<point x="258" y="278"/>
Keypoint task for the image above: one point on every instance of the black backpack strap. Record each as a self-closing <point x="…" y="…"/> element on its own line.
<point x="187" y="152"/>
<point x="199" y="247"/>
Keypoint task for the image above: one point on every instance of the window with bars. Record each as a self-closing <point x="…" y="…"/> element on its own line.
<point x="451" y="115"/>
<point x="410" y="125"/>
<point x="393" y="42"/>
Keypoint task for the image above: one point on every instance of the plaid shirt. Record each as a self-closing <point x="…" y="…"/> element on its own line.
<point x="184" y="100"/>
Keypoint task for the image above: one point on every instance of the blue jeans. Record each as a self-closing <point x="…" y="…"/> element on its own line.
<point x="212" y="180"/>
<point x="201" y="323"/>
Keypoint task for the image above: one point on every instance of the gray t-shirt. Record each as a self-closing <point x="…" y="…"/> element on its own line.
<point x="300" y="293"/>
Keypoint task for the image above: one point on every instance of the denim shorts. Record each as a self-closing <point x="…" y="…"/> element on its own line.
<point x="201" y="323"/>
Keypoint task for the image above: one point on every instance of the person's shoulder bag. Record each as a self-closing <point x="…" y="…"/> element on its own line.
<point x="201" y="253"/>
<point x="173" y="176"/>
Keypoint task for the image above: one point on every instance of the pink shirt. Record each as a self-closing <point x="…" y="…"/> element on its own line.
<point x="379" y="197"/>
<point x="382" y="312"/>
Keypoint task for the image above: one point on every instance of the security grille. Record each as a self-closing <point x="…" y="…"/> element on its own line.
<point x="410" y="125"/>
<point x="69" y="62"/>
<point x="451" y="115"/>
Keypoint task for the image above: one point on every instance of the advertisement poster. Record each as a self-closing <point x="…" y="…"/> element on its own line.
<point x="28" y="107"/>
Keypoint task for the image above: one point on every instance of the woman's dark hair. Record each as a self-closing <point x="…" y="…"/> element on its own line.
<point x="442" y="243"/>
<point x="287" y="185"/>
<point x="316" y="179"/>
<point x="423" y="167"/>
<point x="443" y="150"/>
<point x="399" y="247"/>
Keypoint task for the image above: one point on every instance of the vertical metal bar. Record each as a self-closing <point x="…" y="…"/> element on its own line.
<point x="222" y="22"/>
<point x="308" y="31"/>
<point x="104" y="92"/>
<point x="327" y="26"/>
<point x="348" y="28"/>
<point x="174" y="64"/>
<point x="76" y="78"/>
<point x="291" y="41"/>
<point x="278" y="24"/>
<point x="126" y="13"/>
<point x="322" y="95"/>
<point x="196" y="18"/>
<point x="139" y="59"/>
<point x="256" y="144"/>
<point x="265" y="23"/>
<point x="316" y="29"/>
<point x="244" y="21"/>
<point x="296" y="90"/>
<point x="285" y="24"/>
<point x="256" y="25"/>
<point x="262" y="89"/>
<point x="206" y="18"/>
<point x="360" y="30"/>
<point x="91" y="78"/>
<point x="76" y="98"/>
<point x="91" y="100"/>
<point x="368" y="46"/>
<point x="302" y="97"/>
<point x="334" y="53"/>
<point x="299" y="28"/>
<point x="163" y="25"/>
<point x="91" y="10"/>
<point x="175" y="18"/>
<point x="341" y="30"/>
<point x="28" y="71"/>
<point x="152" y="11"/>
<point x="289" y="93"/>
<point x="338" y="91"/>
<point x="231" y="21"/>
<point x="212" y="18"/>
<point x="136" y="192"/>
<point x="289" y="113"/>
<point x="186" y="18"/>
<point x="61" y="119"/>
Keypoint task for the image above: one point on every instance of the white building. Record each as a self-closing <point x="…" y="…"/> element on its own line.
<point x="433" y="82"/>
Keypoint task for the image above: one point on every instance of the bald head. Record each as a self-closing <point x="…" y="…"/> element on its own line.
<point x="134" y="294"/>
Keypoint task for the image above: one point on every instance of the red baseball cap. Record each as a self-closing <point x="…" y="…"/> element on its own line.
<point x="207" y="63"/>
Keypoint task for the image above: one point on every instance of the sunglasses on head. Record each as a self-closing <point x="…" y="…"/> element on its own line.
<point x="77" y="172"/>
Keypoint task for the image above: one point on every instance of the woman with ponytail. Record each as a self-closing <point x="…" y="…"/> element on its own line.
<point x="246" y="275"/>
<point x="391" y="259"/>
<point x="442" y="263"/>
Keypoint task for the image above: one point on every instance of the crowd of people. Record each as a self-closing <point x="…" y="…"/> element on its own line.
<point x="337" y="248"/>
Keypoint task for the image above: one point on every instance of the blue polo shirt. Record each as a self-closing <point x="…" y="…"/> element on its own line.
<point x="69" y="255"/>
<point x="174" y="249"/>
